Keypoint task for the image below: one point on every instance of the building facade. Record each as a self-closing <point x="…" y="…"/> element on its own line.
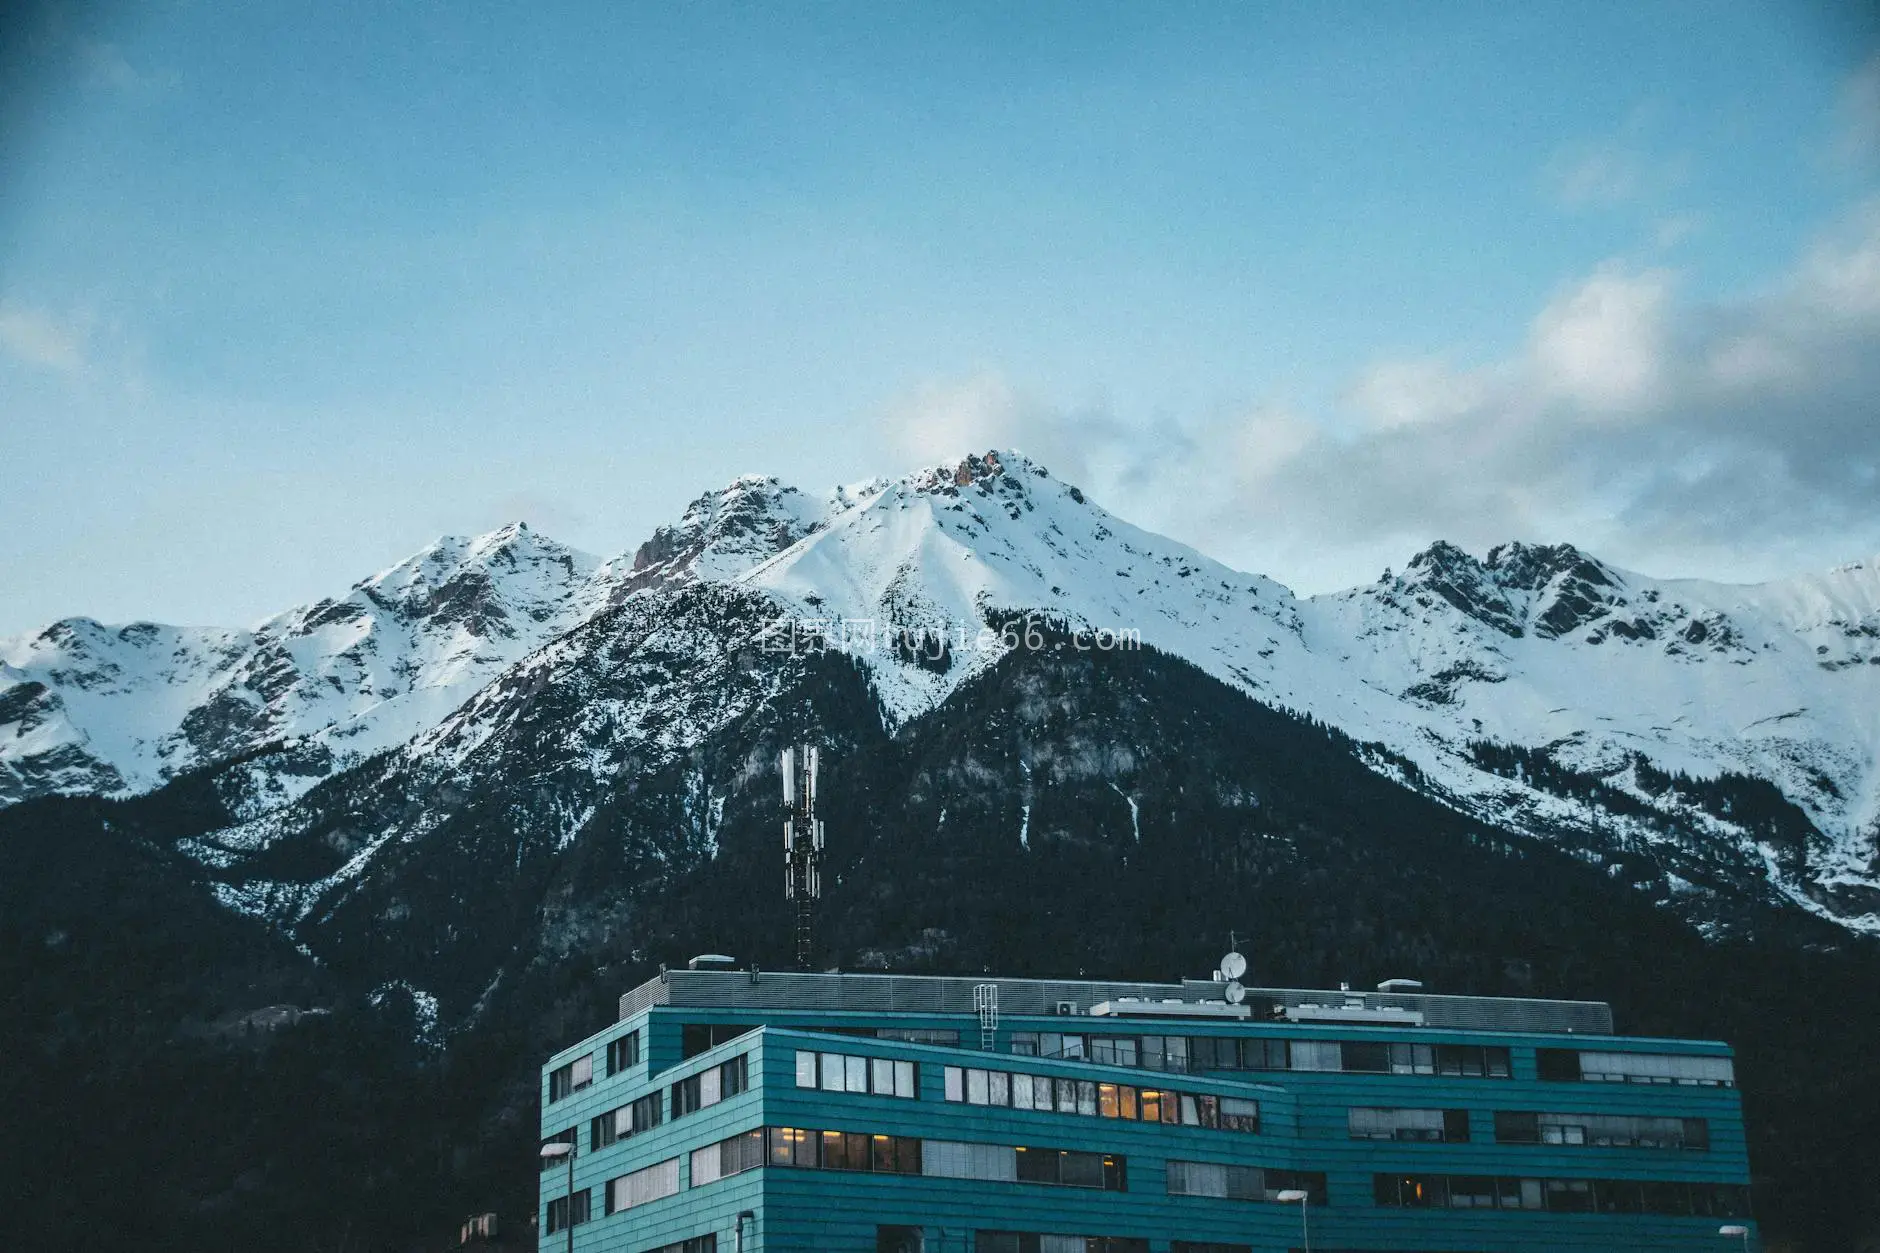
<point x="841" y="1113"/>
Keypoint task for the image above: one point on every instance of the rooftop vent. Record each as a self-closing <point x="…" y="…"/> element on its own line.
<point x="712" y="961"/>
<point x="1400" y="985"/>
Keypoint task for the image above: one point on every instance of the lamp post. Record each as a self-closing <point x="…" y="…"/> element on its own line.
<point x="551" y="1151"/>
<point x="1304" y="1198"/>
<point x="1736" y="1229"/>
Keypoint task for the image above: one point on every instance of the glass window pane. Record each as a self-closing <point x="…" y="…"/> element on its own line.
<point x="975" y="1087"/>
<point x="904" y="1080"/>
<point x="832" y="1072"/>
<point x="956" y="1083"/>
<point x="805" y="1069"/>
<point x="855" y="1069"/>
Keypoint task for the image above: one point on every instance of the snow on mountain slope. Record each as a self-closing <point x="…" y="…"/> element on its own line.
<point x="1537" y="687"/>
<point x="85" y="707"/>
<point x="1548" y="648"/>
<point x="1542" y="647"/>
<point x="921" y="576"/>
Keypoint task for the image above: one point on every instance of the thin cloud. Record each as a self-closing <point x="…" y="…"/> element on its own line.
<point x="1735" y="441"/>
<point x="39" y="339"/>
<point x="1614" y="170"/>
<point x="1858" y="138"/>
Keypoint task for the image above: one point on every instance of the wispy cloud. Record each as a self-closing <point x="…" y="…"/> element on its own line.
<point x="40" y="339"/>
<point x="1661" y="432"/>
<point x="1617" y="169"/>
<point x="1858" y="137"/>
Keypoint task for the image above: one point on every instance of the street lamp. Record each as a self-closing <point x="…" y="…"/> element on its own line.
<point x="1736" y="1229"/>
<point x="563" y="1148"/>
<point x="1304" y="1198"/>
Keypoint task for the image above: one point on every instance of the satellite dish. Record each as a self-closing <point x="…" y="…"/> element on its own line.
<point x="1233" y="965"/>
<point x="1235" y="993"/>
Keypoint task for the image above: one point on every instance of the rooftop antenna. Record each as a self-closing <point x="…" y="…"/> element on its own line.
<point x="802" y="845"/>
<point x="1233" y="965"/>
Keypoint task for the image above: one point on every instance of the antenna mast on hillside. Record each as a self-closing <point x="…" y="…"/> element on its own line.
<point x="802" y="845"/>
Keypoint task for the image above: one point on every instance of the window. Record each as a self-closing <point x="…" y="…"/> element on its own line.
<point x="921" y="1035"/>
<point x="628" y="1120"/>
<point x="1572" y="1196"/>
<point x="1602" y="1130"/>
<point x="1241" y="1183"/>
<point x="1558" y="1065"/>
<point x="569" y="1137"/>
<point x="1090" y="1098"/>
<point x="733" y="1156"/>
<point x="1472" y="1061"/>
<point x="843" y="1150"/>
<point x="900" y="1240"/>
<point x="569" y="1211"/>
<point x="696" y="1037"/>
<point x="792" y="1146"/>
<point x="1433" y="1125"/>
<point x="1659" y="1068"/>
<point x="841" y="1072"/>
<point x="566" y="1080"/>
<point x="1366" y="1056"/>
<point x="649" y="1184"/>
<point x="709" y="1087"/>
<point x="1072" y="1168"/>
<point x="1033" y="1242"/>
<point x="1514" y="1127"/>
<point x="624" y="1053"/>
<point x="1317" y="1055"/>
<point x="952" y="1159"/>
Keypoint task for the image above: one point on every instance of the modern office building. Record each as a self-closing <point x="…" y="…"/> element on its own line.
<point x="839" y="1113"/>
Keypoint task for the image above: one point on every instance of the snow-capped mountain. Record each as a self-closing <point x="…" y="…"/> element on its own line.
<point x="90" y="708"/>
<point x="1691" y="736"/>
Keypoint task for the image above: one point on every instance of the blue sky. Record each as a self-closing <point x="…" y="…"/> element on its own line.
<point x="287" y="290"/>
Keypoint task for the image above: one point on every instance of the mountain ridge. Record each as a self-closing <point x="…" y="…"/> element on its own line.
<point x="1613" y="678"/>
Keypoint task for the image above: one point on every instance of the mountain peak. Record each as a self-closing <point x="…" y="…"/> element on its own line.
<point x="726" y="531"/>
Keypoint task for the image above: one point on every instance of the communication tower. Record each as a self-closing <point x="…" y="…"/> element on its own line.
<point x="802" y="845"/>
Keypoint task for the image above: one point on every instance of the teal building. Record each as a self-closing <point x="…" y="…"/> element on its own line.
<point x="737" y="1110"/>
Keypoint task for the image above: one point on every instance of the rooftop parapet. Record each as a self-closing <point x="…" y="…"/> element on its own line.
<point x="1115" y="1001"/>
